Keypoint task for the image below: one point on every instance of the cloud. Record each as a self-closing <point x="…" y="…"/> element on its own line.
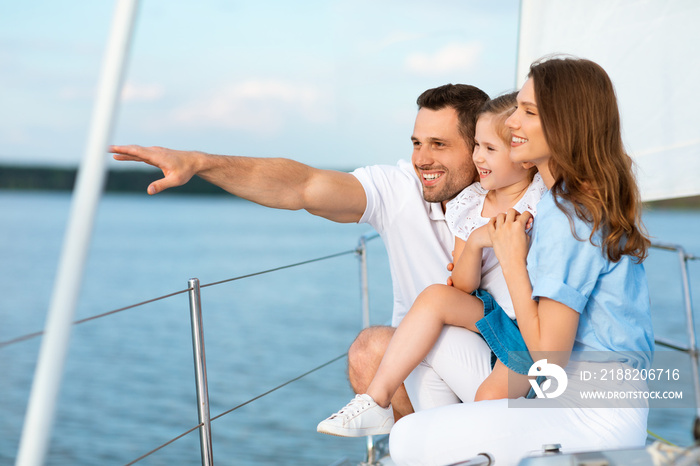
<point x="131" y="92"/>
<point x="450" y="58"/>
<point x="142" y="92"/>
<point x="397" y="37"/>
<point x="75" y="93"/>
<point x="262" y="106"/>
<point x="14" y="135"/>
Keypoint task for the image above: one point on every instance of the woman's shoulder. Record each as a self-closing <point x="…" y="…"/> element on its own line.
<point x="557" y="221"/>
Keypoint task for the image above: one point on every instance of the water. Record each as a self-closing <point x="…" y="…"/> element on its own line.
<point x="129" y="386"/>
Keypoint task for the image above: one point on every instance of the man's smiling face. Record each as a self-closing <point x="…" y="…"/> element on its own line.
<point x="441" y="157"/>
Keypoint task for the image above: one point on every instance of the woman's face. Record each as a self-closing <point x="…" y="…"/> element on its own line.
<point x="528" y="143"/>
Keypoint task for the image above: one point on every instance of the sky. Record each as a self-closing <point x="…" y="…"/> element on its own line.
<point x="329" y="83"/>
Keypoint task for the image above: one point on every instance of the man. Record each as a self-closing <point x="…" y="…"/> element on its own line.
<point x="405" y="204"/>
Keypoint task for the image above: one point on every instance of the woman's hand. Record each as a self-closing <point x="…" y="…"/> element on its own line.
<point x="508" y="237"/>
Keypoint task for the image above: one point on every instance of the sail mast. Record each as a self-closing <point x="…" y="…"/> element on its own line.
<point x="88" y="188"/>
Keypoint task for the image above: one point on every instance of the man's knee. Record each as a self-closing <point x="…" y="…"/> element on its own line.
<point x="365" y="354"/>
<point x="370" y="345"/>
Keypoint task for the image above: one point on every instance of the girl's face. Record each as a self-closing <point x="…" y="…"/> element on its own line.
<point x="491" y="157"/>
<point x="528" y="143"/>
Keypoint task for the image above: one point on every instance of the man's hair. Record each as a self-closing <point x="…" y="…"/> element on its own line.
<point x="466" y="100"/>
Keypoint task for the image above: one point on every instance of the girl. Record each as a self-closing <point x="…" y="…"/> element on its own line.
<point x="504" y="184"/>
<point x="580" y="293"/>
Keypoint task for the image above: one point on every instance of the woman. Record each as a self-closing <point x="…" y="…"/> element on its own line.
<point x="580" y="293"/>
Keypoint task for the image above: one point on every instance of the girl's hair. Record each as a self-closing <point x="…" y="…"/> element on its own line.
<point x="501" y="108"/>
<point x="581" y="124"/>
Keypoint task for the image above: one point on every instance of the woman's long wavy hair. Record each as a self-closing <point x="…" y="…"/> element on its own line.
<point x="581" y="123"/>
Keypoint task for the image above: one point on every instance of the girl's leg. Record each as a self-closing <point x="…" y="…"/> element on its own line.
<point x="369" y="413"/>
<point x="364" y="356"/>
<point x="435" y="307"/>
<point x="502" y="383"/>
<point x="451" y="372"/>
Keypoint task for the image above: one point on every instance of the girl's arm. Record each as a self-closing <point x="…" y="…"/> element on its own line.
<point x="466" y="275"/>
<point x="548" y="325"/>
<point x="459" y="248"/>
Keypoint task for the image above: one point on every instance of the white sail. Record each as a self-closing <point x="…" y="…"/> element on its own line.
<point x="650" y="49"/>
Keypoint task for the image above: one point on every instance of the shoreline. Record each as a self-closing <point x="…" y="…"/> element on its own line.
<point x="47" y="178"/>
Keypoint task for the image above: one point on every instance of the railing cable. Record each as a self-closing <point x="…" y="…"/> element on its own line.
<point x="87" y="319"/>
<point x="352" y="251"/>
<point x="262" y="272"/>
<point x="238" y="407"/>
<point x="358" y="251"/>
<point x="280" y="386"/>
<point x="164" y="445"/>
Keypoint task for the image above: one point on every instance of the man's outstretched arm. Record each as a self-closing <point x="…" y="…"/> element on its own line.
<point x="272" y="182"/>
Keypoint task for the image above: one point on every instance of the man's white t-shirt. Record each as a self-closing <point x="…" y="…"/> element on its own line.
<point x="418" y="242"/>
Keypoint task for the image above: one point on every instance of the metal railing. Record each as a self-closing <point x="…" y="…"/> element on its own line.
<point x="375" y="449"/>
<point x="691" y="348"/>
<point x="200" y="372"/>
<point x="198" y="346"/>
<point x="200" y="359"/>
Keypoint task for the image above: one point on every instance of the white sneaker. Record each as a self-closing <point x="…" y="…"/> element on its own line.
<point x="362" y="416"/>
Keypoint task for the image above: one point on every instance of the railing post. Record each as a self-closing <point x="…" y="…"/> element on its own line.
<point x="692" y="342"/>
<point x="692" y="348"/>
<point x="200" y="372"/>
<point x="364" y="287"/>
<point x="364" y="292"/>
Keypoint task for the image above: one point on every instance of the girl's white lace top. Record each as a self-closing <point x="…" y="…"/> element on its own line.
<point x="463" y="213"/>
<point x="463" y="216"/>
